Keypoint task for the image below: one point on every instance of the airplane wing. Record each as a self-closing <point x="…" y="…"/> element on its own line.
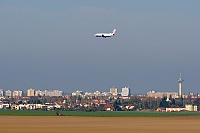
<point x="103" y="36"/>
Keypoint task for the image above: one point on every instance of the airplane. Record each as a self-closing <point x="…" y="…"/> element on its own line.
<point x="104" y="35"/>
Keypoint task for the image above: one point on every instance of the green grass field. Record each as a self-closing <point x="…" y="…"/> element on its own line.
<point x="26" y="113"/>
<point x="96" y="114"/>
<point x="130" y="114"/>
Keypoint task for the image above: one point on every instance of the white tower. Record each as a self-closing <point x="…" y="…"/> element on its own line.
<point x="180" y="80"/>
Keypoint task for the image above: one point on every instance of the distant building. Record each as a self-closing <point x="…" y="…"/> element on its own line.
<point x="17" y="93"/>
<point x="30" y="92"/>
<point x="113" y="91"/>
<point x="38" y="93"/>
<point x="8" y="93"/>
<point x="175" y="109"/>
<point x="105" y="94"/>
<point x="97" y="93"/>
<point x="126" y="92"/>
<point x="162" y="94"/>
<point x="53" y="93"/>
<point x="191" y="107"/>
<point x="77" y="93"/>
<point x="188" y="107"/>
<point x="1" y="93"/>
<point x="48" y="93"/>
<point x="88" y="94"/>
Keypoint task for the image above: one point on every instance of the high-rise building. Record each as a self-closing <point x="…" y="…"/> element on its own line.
<point x="126" y="92"/>
<point x="53" y="93"/>
<point x="30" y="92"/>
<point x="113" y="91"/>
<point x="1" y="93"/>
<point x="48" y="93"/>
<point x="156" y="94"/>
<point x="38" y="93"/>
<point x="8" y="93"/>
<point x="17" y="93"/>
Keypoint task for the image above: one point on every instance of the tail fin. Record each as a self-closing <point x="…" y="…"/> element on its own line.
<point x="114" y="31"/>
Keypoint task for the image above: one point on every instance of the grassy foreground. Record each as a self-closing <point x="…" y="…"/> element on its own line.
<point x="96" y="114"/>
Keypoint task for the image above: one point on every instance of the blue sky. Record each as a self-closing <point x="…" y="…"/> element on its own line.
<point x="48" y="44"/>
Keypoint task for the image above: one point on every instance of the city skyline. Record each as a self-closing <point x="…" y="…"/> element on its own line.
<point x="51" y="45"/>
<point x="67" y="91"/>
<point x="125" y="91"/>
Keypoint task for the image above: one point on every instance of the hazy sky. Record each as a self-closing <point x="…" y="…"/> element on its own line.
<point x="49" y="44"/>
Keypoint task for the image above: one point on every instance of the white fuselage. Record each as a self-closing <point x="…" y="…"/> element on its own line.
<point x="104" y="35"/>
